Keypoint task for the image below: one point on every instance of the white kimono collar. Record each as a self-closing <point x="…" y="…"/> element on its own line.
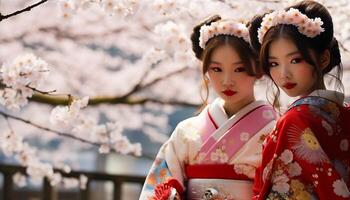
<point x="331" y="95"/>
<point x="217" y="111"/>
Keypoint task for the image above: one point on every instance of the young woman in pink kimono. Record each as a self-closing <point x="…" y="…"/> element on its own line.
<point x="214" y="155"/>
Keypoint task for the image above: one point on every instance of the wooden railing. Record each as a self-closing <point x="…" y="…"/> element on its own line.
<point x="47" y="192"/>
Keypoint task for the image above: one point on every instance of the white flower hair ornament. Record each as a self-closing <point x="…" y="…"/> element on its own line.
<point x="306" y="26"/>
<point x="223" y="28"/>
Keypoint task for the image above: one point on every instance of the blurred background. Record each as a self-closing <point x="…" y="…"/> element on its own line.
<point x="134" y="61"/>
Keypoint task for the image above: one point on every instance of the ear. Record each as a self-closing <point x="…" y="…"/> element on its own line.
<point x="325" y="59"/>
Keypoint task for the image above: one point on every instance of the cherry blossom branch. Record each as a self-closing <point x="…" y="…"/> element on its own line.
<point x="8" y="123"/>
<point x="3" y="17"/>
<point x="67" y="135"/>
<point x="41" y="92"/>
<point x="124" y="99"/>
<point x="59" y="34"/>
<point x="228" y="3"/>
<point x="47" y="129"/>
<point x="139" y="85"/>
<point x="156" y="80"/>
<point x="15" y="38"/>
<point x="65" y="34"/>
<point x="54" y="100"/>
<point x="343" y="47"/>
<point x="165" y="102"/>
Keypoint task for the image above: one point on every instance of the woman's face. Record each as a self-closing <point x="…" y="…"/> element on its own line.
<point x="289" y="70"/>
<point x="229" y="78"/>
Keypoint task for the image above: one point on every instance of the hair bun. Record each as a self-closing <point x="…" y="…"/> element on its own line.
<point x="335" y="57"/>
<point x="254" y="25"/>
<point x="196" y="33"/>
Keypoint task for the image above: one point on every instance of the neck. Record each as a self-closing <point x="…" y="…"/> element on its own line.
<point x="318" y="86"/>
<point x="233" y="108"/>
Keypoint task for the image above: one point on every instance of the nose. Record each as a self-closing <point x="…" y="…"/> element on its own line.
<point x="228" y="80"/>
<point x="285" y="72"/>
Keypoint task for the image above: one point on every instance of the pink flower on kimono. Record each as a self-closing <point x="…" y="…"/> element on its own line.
<point x="268" y="114"/>
<point x="244" y="136"/>
<point x="286" y="156"/>
<point x="200" y="157"/>
<point x="238" y="169"/>
<point x="267" y="171"/>
<point x="245" y="169"/>
<point x="280" y="184"/>
<point x="340" y="188"/>
<point x="328" y="127"/>
<point x="294" y="169"/>
<point x="219" y="156"/>
<point x="344" y="145"/>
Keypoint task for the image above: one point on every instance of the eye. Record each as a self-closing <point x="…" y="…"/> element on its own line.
<point x="296" y="60"/>
<point x="240" y="69"/>
<point x="273" y="64"/>
<point x="215" y="69"/>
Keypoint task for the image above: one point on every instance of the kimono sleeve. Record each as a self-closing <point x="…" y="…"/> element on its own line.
<point x="294" y="164"/>
<point x="165" y="179"/>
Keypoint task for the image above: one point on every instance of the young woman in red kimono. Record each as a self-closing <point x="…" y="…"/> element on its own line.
<point x="214" y="154"/>
<point x="307" y="154"/>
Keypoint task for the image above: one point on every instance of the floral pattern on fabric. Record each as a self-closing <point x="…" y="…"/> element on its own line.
<point x="340" y="188"/>
<point x="159" y="174"/>
<point x="296" y="191"/>
<point x="240" y="145"/>
<point x="306" y="145"/>
<point x="245" y="169"/>
<point x="219" y="156"/>
<point x="285" y="185"/>
<point x="307" y="155"/>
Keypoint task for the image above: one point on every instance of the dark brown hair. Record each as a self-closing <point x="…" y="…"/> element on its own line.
<point x="310" y="49"/>
<point x="245" y="52"/>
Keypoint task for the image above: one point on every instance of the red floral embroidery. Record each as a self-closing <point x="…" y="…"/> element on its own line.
<point x="163" y="191"/>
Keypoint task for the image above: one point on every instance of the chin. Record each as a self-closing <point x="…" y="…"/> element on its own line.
<point x="229" y="98"/>
<point x="291" y="94"/>
<point x="226" y="98"/>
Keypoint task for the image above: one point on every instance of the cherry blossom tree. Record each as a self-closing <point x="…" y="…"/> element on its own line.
<point x="89" y="70"/>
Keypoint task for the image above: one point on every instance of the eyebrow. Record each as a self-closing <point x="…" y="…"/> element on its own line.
<point x="236" y="63"/>
<point x="289" y="54"/>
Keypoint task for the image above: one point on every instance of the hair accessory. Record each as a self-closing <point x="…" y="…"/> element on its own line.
<point x="222" y="28"/>
<point x="306" y="26"/>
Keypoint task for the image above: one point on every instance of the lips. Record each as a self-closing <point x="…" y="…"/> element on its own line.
<point x="229" y="92"/>
<point x="289" y="85"/>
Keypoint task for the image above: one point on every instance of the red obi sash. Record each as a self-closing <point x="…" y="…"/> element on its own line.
<point x="213" y="171"/>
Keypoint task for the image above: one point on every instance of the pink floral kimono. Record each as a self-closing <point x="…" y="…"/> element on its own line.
<point x="210" y="156"/>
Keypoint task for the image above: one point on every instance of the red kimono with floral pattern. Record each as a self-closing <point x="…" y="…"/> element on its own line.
<point x="307" y="154"/>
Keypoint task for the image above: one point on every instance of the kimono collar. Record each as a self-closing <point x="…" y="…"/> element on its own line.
<point x="217" y="111"/>
<point x="334" y="96"/>
<point x="324" y="102"/>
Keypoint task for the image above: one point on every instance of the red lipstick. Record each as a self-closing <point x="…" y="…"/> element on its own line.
<point x="289" y="85"/>
<point x="229" y="92"/>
